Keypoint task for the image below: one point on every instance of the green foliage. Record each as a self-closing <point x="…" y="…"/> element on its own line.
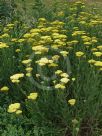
<point x="7" y="10"/>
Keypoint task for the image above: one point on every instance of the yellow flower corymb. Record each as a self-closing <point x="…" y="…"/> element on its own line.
<point x="19" y="112"/>
<point x="97" y="54"/>
<point x="15" y="78"/>
<point x="4" y="89"/>
<point x="60" y="86"/>
<point x="13" y="107"/>
<point x="72" y="102"/>
<point x="91" y="61"/>
<point x="98" y="63"/>
<point x="58" y="72"/>
<point x="26" y="61"/>
<point x="79" y="54"/>
<point x="3" y="45"/>
<point x="65" y="75"/>
<point x="33" y="96"/>
<point x="64" y="80"/>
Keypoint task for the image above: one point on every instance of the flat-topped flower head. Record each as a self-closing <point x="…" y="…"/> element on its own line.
<point x="64" y="80"/>
<point x="13" y="107"/>
<point x="3" y="45"/>
<point x="58" y="72"/>
<point x="98" y="63"/>
<point x="33" y="96"/>
<point x="60" y="86"/>
<point x="26" y="61"/>
<point x="97" y="54"/>
<point x="4" y="89"/>
<point x="16" y="77"/>
<point x="72" y="102"/>
<point x="19" y="112"/>
<point x="79" y="54"/>
<point x="65" y="75"/>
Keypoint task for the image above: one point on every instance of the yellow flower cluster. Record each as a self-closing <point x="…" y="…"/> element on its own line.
<point x="64" y="79"/>
<point x="33" y="96"/>
<point x="16" y="77"/>
<point x="99" y="47"/>
<point x="28" y="68"/>
<point x="98" y="63"/>
<point x="44" y="61"/>
<point x="79" y="54"/>
<point x="95" y="63"/>
<point x="28" y="61"/>
<point x="72" y="102"/>
<point x="97" y="54"/>
<point x="3" y="45"/>
<point x="6" y="35"/>
<point x="4" y="89"/>
<point x="8" y="27"/>
<point x="40" y="49"/>
<point x="14" y="108"/>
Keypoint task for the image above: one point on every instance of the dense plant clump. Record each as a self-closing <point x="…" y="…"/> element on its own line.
<point x="51" y="73"/>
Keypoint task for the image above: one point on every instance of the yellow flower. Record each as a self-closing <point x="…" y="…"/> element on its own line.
<point x="28" y="74"/>
<point x="21" y="40"/>
<point x="13" y="40"/>
<point x="3" y="45"/>
<point x="72" y="102"/>
<point x="60" y="86"/>
<point x="91" y="61"/>
<point x="6" y="30"/>
<point x="50" y="61"/>
<point x="17" y="50"/>
<point x="10" y="25"/>
<point x="44" y="61"/>
<point x="58" y="72"/>
<point x="42" y="20"/>
<point x="19" y="112"/>
<point x="79" y="54"/>
<point x="73" y="79"/>
<point x="34" y="30"/>
<point x="37" y="75"/>
<point x="94" y="41"/>
<point x="94" y="49"/>
<point x="97" y="54"/>
<point x="76" y="33"/>
<point x="46" y="39"/>
<point x="34" y="34"/>
<point x="26" y="61"/>
<point x="53" y="65"/>
<point x="64" y="75"/>
<point x="87" y="43"/>
<point x="98" y="63"/>
<point x="4" y="89"/>
<point x="5" y="35"/>
<point x="33" y="96"/>
<point x="61" y="13"/>
<point x="40" y="49"/>
<point x="64" y="53"/>
<point x="29" y="69"/>
<point x="55" y="57"/>
<point x="15" y="81"/>
<point x="99" y="47"/>
<point x="64" y="80"/>
<point x="13" y="107"/>
<point x="15" y="78"/>
<point x="27" y="35"/>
